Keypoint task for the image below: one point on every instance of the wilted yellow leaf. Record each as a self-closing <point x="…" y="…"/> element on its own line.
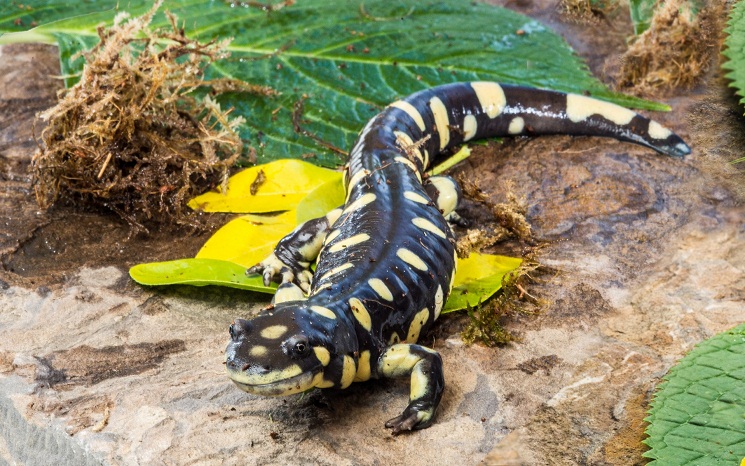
<point x="285" y="183"/>
<point x="477" y="278"/>
<point x="248" y="239"/>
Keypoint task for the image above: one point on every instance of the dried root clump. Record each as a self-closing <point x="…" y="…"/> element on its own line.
<point x="486" y="325"/>
<point x="131" y="135"/>
<point x="588" y="11"/>
<point x="509" y="215"/>
<point x="676" y="51"/>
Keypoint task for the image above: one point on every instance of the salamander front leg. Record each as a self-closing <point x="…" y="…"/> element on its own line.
<point x="427" y="383"/>
<point x="294" y="253"/>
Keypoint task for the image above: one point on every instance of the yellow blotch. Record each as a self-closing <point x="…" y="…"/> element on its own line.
<point x="395" y="338"/>
<point x="331" y="236"/>
<point x="439" y="301"/>
<point x="322" y="354"/>
<point x="470" y="125"/>
<point x="414" y="197"/>
<point x="380" y="288"/>
<point x="324" y="311"/>
<point x="360" y="313"/>
<point x="442" y="122"/>
<point x="418" y="387"/>
<point x="580" y="107"/>
<point x="416" y="325"/>
<point x="657" y="131"/>
<point x="411" y="111"/>
<point x="517" y="125"/>
<point x="348" y="372"/>
<point x="336" y="270"/>
<point x="258" y="351"/>
<point x="320" y="382"/>
<point x="411" y="259"/>
<point x="351" y="241"/>
<point x="405" y="142"/>
<point x="425" y="224"/>
<point x="491" y="97"/>
<point x="361" y="202"/>
<point x="363" y="367"/>
<point x="273" y="332"/>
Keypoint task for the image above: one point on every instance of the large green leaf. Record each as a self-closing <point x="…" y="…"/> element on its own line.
<point x="343" y="59"/>
<point x="698" y="414"/>
<point x="735" y="51"/>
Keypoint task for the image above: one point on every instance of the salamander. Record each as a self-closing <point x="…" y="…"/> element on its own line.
<point x="385" y="260"/>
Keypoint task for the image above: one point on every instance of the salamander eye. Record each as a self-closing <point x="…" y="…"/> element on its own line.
<point x="297" y="346"/>
<point x="239" y="328"/>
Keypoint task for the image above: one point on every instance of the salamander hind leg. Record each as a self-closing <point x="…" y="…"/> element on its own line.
<point x="445" y="192"/>
<point x="291" y="259"/>
<point x="427" y="382"/>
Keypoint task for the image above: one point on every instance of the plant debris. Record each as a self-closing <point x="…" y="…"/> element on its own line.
<point x="676" y="51"/>
<point x="509" y="215"/>
<point x="131" y="135"/>
<point x="486" y="321"/>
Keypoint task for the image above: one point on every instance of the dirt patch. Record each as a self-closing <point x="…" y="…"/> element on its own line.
<point x="88" y="366"/>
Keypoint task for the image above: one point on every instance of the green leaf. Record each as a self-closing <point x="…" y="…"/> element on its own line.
<point x="345" y="60"/>
<point x="698" y="413"/>
<point x="641" y="14"/>
<point x="198" y="272"/>
<point x="477" y="278"/>
<point x="272" y="187"/>
<point x="735" y="50"/>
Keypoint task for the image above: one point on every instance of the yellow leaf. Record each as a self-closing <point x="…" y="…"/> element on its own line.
<point x="477" y="278"/>
<point x="321" y="201"/>
<point x="285" y="183"/>
<point x="248" y="239"/>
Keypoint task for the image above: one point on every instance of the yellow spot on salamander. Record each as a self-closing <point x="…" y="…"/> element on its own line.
<point x="351" y="241"/>
<point x="657" y="131"/>
<point x="491" y="97"/>
<point x="580" y="108"/>
<point x="380" y="287"/>
<point x="320" y="382"/>
<point x="356" y="178"/>
<point x="426" y="225"/>
<point x="348" y="372"/>
<point x="323" y="355"/>
<point x="336" y="270"/>
<point x="324" y="311"/>
<point x="442" y="122"/>
<point x="517" y="125"/>
<point x="363" y="367"/>
<point x="411" y="259"/>
<point x="411" y="111"/>
<point x="414" y="197"/>
<point x="395" y="338"/>
<point x="406" y="143"/>
<point x="416" y="325"/>
<point x="331" y="236"/>
<point x="470" y="125"/>
<point x="419" y="382"/>
<point x="409" y="164"/>
<point x="361" y="313"/>
<point x="258" y="351"/>
<point x="361" y="202"/>
<point x="439" y="301"/>
<point x="273" y="332"/>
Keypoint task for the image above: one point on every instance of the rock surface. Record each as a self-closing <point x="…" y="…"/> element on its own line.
<point x="95" y="369"/>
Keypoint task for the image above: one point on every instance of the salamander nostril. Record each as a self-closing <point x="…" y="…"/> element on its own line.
<point x="239" y="328"/>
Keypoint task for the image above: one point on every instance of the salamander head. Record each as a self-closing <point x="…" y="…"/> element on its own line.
<point x="281" y="352"/>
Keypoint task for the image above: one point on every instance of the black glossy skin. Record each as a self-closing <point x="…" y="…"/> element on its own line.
<point x="415" y="285"/>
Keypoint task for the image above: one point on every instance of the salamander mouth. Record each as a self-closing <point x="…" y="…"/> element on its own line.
<point x="289" y="386"/>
